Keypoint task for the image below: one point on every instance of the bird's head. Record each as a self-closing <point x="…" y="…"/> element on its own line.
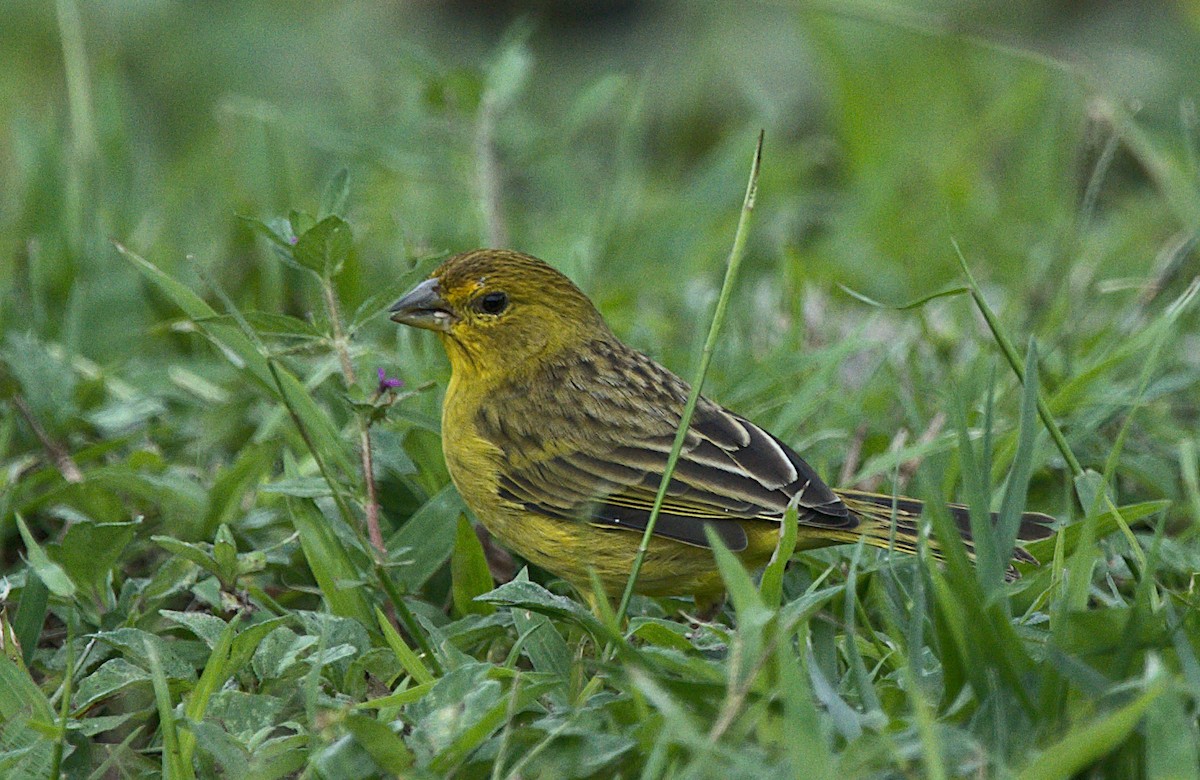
<point x="498" y="312"/>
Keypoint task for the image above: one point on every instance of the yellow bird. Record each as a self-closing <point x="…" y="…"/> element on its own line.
<point x="557" y="435"/>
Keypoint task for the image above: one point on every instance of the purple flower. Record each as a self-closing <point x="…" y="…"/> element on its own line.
<point x="386" y="382"/>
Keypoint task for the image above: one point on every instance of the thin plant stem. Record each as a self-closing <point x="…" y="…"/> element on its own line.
<point x="79" y="205"/>
<point x="1014" y="361"/>
<point x="371" y="509"/>
<point x="341" y="346"/>
<point x="487" y="173"/>
<point x="406" y="617"/>
<point x="736" y="254"/>
<point x="59" y="455"/>
<point x="65" y="709"/>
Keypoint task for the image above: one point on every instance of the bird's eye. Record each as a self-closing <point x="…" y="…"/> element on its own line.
<point x="493" y="303"/>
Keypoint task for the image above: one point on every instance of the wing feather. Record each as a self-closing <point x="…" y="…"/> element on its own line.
<point x="602" y="463"/>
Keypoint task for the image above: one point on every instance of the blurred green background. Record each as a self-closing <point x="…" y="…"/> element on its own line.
<point x="620" y="133"/>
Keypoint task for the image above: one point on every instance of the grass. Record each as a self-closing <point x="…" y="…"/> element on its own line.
<point x="199" y="579"/>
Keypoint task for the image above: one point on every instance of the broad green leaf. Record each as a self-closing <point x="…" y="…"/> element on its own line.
<point x="279" y="651"/>
<point x="49" y="572"/>
<point x="89" y="551"/>
<point x="300" y="222"/>
<point x="134" y="644"/>
<point x="529" y="595"/>
<point x="90" y="727"/>
<point x="324" y="247"/>
<point x="212" y="740"/>
<point x="244" y="714"/>
<point x="204" y="625"/>
<point x="662" y="633"/>
<point x="277" y="230"/>
<point x="545" y="646"/>
<point x="337" y="193"/>
<point x="454" y="703"/>
<point x="115" y="674"/>
<point x="343" y="759"/>
<point x="23" y="751"/>
<point x="225" y="554"/>
<point x="199" y="553"/>
<point x="479" y="721"/>
<point x="246" y="643"/>
<point x="383" y="744"/>
<point x="300" y="487"/>
<point x="426" y="539"/>
<point x="522" y="697"/>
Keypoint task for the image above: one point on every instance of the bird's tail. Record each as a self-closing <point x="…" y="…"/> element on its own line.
<point x="878" y="528"/>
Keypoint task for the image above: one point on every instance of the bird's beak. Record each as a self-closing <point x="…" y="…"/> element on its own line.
<point x="424" y="307"/>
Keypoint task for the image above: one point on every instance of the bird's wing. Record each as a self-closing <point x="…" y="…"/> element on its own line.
<point x="602" y="461"/>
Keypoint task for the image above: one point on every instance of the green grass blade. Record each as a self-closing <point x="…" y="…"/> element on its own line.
<point x="216" y="672"/>
<point x="408" y="659"/>
<point x="23" y="702"/>
<point x="747" y="602"/>
<point x="237" y="343"/>
<point x="469" y="573"/>
<point x="1086" y="742"/>
<point x="46" y="570"/>
<point x="731" y="273"/>
<point x="173" y="765"/>
<point x="771" y="585"/>
<point x="989" y="562"/>
<point x="1012" y="505"/>
<point x="858" y="669"/>
<point x="31" y="616"/>
<point x="1015" y="362"/>
<point x="806" y="742"/>
<point x="1172" y="739"/>
<point x="327" y="558"/>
